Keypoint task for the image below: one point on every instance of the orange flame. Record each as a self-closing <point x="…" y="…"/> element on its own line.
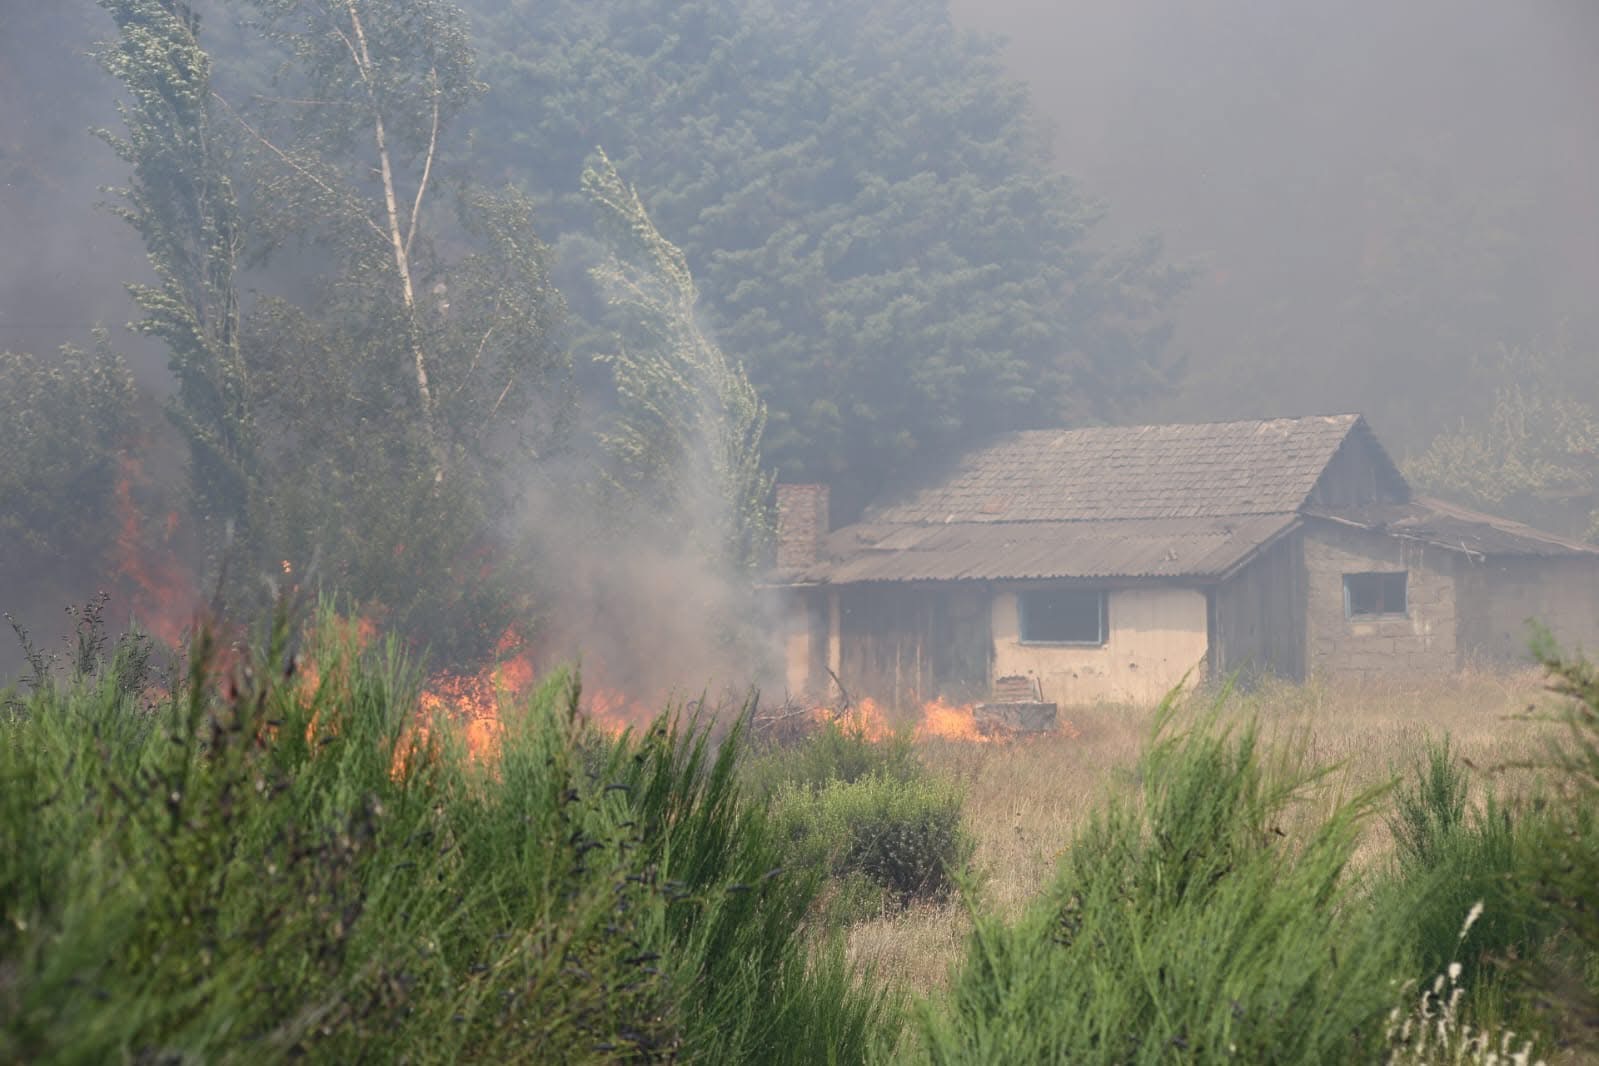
<point x="469" y="703"/>
<point x="163" y="593"/>
<point x="614" y="711"/>
<point x="937" y="719"/>
<point x="866" y="718"/>
<point x="948" y="722"/>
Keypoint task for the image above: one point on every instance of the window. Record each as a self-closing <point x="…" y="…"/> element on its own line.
<point x="1370" y="595"/>
<point x="1062" y="616"/>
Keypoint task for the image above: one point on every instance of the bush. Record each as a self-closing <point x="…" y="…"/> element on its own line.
<point x="833" y="753"/>
<point x="277" y="866"/>
<point x="885" y="842"/>
<point x="66" y="418"/>
<point x="1186" y="928"/>
<point x="1562" y="851"/>
<point x="1452" y="857"/>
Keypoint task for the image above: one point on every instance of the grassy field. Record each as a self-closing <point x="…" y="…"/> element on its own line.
<point x="277" y="859"/>
<point x="1025" y="799"/>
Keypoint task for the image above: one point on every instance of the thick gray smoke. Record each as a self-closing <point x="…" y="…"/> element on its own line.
<point x="1374" y="193"/>
<point x="64" y="264"/>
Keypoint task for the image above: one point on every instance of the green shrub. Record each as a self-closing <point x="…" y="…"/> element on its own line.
<point x="832" y="753"/>
<point x="885" y="842"/>
<point x="1186" y="928"/>
<point x="1431" y="810"/>
<point x="274" y="867"/>
<point x="66" y="417"/>
<point x="1561" y="852"/>
<point x="1450" y="856"/>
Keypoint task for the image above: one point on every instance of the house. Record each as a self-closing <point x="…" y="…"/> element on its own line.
<point x="1110" y="564"/>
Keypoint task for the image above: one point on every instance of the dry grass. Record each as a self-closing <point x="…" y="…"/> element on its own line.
<point x="1024" y="800"/>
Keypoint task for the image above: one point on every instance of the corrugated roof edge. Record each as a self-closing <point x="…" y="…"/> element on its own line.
<point x="1381" y="520"/>
<point x="944" y="566"/>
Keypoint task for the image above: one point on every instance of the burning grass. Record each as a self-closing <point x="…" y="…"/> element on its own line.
<point x="253" y="872"/>
<point x="325" y="855"/>
<point x="937" y="719"/>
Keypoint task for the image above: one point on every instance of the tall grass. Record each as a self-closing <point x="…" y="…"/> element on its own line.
<point x="1185" y="926"/>
<point x="1562" y="855"/>
<point x="269" y="866"/>
<point x="265" y="860"/>
<point x="1453" y="857"/>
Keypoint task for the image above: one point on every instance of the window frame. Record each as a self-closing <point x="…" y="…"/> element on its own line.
<point x="1380" y="575"/>
<point x="1101" y="595"/>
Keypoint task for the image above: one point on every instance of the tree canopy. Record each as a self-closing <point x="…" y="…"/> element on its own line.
<point x="866" y="202"/>
<point x="1536" y="455"/>
<point x="376" y="414"/>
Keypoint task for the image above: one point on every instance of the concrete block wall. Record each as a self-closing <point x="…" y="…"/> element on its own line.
<point x="1424" y="642"/>
<point x="1500" y="596"/>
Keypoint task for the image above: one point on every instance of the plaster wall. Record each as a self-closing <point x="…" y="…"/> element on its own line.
<point x="1157" y="635"/>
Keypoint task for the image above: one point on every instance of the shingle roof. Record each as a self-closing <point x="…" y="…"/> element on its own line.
<point x="1185" y="471"/>
<point x="1455" y="528"/>
<point x="993" y="551"/>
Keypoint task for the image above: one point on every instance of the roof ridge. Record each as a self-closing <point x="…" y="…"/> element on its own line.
<point x="930" y="523"/>
<point x="1352" y="416"/>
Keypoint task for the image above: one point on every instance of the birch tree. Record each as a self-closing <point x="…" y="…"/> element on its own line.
<point x="423" y="372"/>
<point x="379" y="84"/>
<point x="376" y="401"/>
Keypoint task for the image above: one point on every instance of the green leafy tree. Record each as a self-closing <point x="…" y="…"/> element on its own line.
<point x="376" y="413"/>
<point x="383" y="82"/>
<point x="66" y="418"/>
<point x="1536" y="456"/>
<point x="412" y="391"/>
<point x="181" y="201"/>
<point x="687" y="436"/>
<point x="865" y="201"/>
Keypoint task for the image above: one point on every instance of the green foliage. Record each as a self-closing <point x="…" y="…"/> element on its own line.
<point x="409" y="395"/>
<point x="874" y="221"/>
<point x="1537" y="454"/>
<point x="1453" y="858"/>
<point x="181" y="201"/>
<point x="1431" y="809"/>
<point x="687" y="436"/>
<point x="883" y="842"/>
<point x="833" y="753"/>
<point x="66" y="418"/>
<point x="866" y="816"/>
<point x="1185" y="929"/>
<point x="1561" y="858"/>
<point x="379" y="423"/>
<point x="273" y="866"/>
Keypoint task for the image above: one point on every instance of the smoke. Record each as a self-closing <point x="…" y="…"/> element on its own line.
<point x="645" y="612"/>
<point x="1375" y="194"/>
<point x="64" y="266"/>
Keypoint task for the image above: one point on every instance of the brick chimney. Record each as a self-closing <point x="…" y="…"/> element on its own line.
<point x="802" y="522"/>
